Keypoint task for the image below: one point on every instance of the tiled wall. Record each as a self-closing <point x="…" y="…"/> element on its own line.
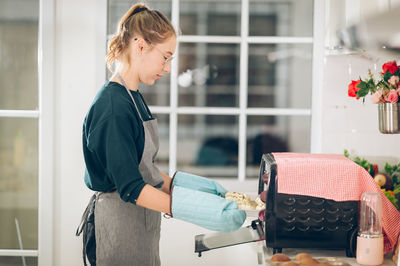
<point x="347" y="122"/>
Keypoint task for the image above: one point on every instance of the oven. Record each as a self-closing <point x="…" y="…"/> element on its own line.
<point x="291" y="220"/>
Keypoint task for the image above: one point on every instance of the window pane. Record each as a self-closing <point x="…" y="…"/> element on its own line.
<point x="18" y="54"/>
<point x="209" y="74"/>
<point x="162" y="158"/>
<point x="18" y="182"/>
<point x="280" y="75"/>
<point x="266" y="134"/>
<point x="17" y="261"/>
<point x="208" y="145"/>
<point x="281" y="18"/>
<point x="210" y="18"/>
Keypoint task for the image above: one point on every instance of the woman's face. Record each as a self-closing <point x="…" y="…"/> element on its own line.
<point x="154" y="60"/>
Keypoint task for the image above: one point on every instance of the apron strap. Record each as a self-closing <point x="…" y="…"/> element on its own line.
<point x="84" y="222"/>
<point x="85" y="215"/>
<point x="130" y="95"/>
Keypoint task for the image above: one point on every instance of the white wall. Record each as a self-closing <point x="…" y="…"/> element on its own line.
<point x="75" y="87"/>
<point x="347" y="122"/>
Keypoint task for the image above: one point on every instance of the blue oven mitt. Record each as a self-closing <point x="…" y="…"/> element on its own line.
<point x="199" y="183"/>
<point x="206" y="210"/>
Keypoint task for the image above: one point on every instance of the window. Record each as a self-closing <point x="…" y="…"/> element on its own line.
<point x="26" y="155"/>
<point x="240" y="86"/>
<point x="19" y="129"/>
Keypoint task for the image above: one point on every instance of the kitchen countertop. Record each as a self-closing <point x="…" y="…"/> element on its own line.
<point x="339" y="254"/>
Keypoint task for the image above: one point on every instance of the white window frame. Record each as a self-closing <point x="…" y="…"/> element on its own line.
<point x="45" y="117"/>
<point x="243" y="111"/>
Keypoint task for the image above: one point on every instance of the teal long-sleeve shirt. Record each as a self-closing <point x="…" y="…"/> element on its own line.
<point x="113" y="142"/>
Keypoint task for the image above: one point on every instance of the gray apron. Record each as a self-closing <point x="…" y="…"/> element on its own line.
<point x="128" y="234"/>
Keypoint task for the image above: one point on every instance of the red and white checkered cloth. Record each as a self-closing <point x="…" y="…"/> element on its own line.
<point x="334" y="177"/>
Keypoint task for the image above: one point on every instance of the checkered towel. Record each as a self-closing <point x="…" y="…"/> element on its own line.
<point x="334" y="177"/>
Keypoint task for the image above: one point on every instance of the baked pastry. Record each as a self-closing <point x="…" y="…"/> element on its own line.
<point x="280" y="257"/>
<point x="244" y="201"/>
<point x="291" y="263"/>
<point x="301" y="256"/>
<point x="308" y="261"/>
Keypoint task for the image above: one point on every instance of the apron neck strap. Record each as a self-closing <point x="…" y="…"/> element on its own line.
<point x="129" y="93"/>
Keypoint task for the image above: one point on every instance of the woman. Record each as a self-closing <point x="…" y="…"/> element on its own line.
<point x="120" y="142"/>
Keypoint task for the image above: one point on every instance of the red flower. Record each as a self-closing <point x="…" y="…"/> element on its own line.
<point x="353" y="88"/>
<point x="391" y="66"/>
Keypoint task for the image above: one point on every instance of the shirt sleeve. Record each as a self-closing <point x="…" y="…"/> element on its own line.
<point x="114" y="144"/>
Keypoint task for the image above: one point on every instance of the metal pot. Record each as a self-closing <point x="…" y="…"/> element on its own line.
<point x="389" y="118"/>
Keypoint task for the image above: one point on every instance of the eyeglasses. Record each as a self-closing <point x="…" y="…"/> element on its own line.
<point x="166" y="59"/>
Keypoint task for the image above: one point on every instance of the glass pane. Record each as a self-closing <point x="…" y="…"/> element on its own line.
<point x="18" y="55"/>
<point x="162" y="158"/>
<point x="281" y="18"/>
<point x="208" y="145"/>
<point x="209" y="74"/>
<point x="280" y="75"/>
<point x="18" y="261"/>
<point x="210" y="18"/>
<point x="18" y="183"/>
<point x="266" y="134"/>
<point x="157" y="94"/>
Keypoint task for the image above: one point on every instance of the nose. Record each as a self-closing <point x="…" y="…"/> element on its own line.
<point x="167" y="67"/>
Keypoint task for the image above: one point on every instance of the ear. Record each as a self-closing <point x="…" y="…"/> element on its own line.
<point x="141" y="44"/>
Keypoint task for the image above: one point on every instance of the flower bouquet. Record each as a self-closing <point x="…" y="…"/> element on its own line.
<point x="385" y="92"/>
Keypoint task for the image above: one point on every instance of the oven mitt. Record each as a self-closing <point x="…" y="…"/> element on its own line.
<point x="206" y="210"/>
<point x="199" y="183"/>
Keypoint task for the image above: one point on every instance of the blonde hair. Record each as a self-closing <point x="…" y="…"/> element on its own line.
<point x="151" y="25"/>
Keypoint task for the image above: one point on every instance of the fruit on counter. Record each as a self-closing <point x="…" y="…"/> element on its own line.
<point x="280" y="257"/>
<point x="384" y="181"/>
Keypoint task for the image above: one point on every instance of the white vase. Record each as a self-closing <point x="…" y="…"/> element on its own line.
<point x="389" y="118"/>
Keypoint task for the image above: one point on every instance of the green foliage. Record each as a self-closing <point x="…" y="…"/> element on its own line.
<point x="387" y="75"/>
<point x="392" y="198"/>
<point x="370" y="86"/>
<point x="364" y="89"/>
<point x="396" y="190"/>
<point x="361" y="162"/>
<point x="394" y="172"/>
<point x="391" y="170"/>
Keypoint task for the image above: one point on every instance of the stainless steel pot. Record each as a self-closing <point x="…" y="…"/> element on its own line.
<point x="389" y="118"/>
